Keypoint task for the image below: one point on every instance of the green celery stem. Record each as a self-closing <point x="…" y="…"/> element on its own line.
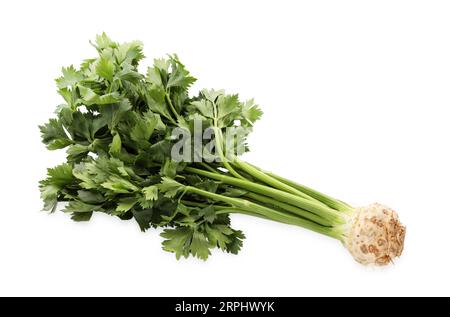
<point x="257" y="173"/>
<point x="316" y="208"/>
<point x="290" y="208"/>
<point x="327" y="200"/>
<point x="250" y="207"/>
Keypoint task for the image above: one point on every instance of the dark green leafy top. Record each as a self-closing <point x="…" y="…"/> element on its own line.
<point x="117" y="124"/>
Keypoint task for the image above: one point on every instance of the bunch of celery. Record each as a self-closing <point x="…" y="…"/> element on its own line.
<point x="139" y="146"/>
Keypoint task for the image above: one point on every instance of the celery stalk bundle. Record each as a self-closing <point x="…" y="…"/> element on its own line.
<point x="140" y="147"/>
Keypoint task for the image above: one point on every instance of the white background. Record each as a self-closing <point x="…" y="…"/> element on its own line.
<point x="356" y="99"/>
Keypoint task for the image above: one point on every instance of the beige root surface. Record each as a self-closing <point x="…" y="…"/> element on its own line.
<point x="375" y="235"/>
